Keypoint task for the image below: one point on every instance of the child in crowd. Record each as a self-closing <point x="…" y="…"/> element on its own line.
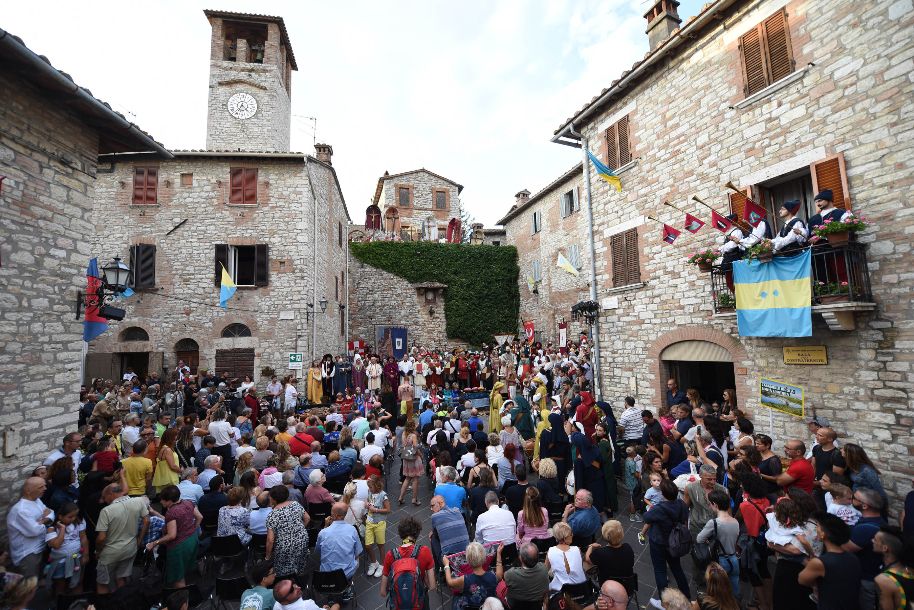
<point x="839" y="502"/>
<point x="105" y="458"/>
<point x="632" y="476"/>
<point x="69" y="550"/>
<point x="652" y="497"/>
<point x="378" y="507"/>
<point x="784" y="528"/>
<point x="136" y="405"/>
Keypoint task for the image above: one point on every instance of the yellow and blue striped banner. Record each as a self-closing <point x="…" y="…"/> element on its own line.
<point x="774" y="299"/>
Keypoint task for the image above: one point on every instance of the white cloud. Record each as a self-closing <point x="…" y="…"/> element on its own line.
<point x="470" y="90"/>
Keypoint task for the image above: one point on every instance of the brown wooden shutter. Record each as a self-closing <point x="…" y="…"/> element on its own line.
<point x="751" y="52"/>
<point x="261" y="265"/>
<point x="625" y="154"/>
<point x="221" y="260"/>
<point x="152" y="183"/>
<point x="777" y="43"/>
<point x="738" y="203"/>
<point x="143" y="265"/>
<point x="139" y="185"/>
<point x="250" y="186"/>
<point x="632" y="257"/>
<point x="236" y="192"/>
<point x="612" y="147"/>
<point x="830" y="173"/>
<point x="617" y="247"/>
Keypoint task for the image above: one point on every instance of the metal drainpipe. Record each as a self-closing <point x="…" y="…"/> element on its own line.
<point x="315" y="306"/>
<point x="595" y="328"/>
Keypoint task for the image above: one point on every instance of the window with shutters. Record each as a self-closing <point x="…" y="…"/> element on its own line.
<point x="537" y="225"/>
<point x="441" y="199"/>
<point x="618" y="147"/>
<point x="145" y="185"/>
<point x="339" y="236"/>
<point x="537" y="271"/>
<point x="246" y="265"/>
<point x="404" y="196"/>
<point x="765" y="53"/>
<point x="574" y="256"/>
<point x="143" y="266"/>
<point x="626" y="260"/>
<point x="569" y="203"/>
<point x="243" y="186"/>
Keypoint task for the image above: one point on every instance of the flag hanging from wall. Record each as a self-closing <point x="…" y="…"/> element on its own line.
<point x="774" y="299"/>
<point x="605" y="173"/>
<point x="720" y="222"/>
<point x="93" y="323"/>
<point x="227" y="289"/>
<point x="564" y="263"/>
<point x="529" y="331"/>
<point x="670" y="234"/>
<point x="692" y="224"/>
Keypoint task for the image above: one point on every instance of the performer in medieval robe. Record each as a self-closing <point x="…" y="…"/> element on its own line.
<point x="473" y="371"/>
<point x="359" y="377"/>
<point x="405" y="367"/>
<point x="587" y="414"/>
<point x="792" y="235"/>
<point x="419" y="371"/>
<point x="341" y="377"/>
<point x="830" y="266"/>
<point x="827" y="212"/>
<point x="391" y="374"/>
<point x="328" y="371"/>
<point x="434" y="374"/>
<point x="315" y="383"/>
<point x="450" y="370"/>
<point x="463" y="370"/>
<point x="486" y="376"/>
<point x="730" y="249"/>
<point x="374" y="370"/>
<point x="495" y="402"/>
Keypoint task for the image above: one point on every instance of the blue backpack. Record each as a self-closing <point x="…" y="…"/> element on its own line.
<point x="407" y="591"/>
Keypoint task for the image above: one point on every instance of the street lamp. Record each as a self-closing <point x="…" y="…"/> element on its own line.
<point x="323" y="304"/>
<point x="310" y="311"/>
<point x="116" y="274"/>
<point x="115" y="277"/>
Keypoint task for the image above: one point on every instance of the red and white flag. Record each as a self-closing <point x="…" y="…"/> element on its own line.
<point x="529" y="331"/>
<point x="720" y="222"/>
<point x="692" y="224"/>
<point x="670" y="234"/>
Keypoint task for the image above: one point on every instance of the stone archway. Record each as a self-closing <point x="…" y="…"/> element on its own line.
<point x="719" y="339"/>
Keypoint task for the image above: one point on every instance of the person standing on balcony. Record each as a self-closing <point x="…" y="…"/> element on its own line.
<point x="792" y="235"/>
<point x="731" y="250"/>
<point x="761" y="231"/>
<point x="827" y="210"/>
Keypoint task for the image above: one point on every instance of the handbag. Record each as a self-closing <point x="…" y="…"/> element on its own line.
<point x="705" y="552"/>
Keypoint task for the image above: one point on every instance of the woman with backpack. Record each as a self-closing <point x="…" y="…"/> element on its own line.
<point x="408" y="574"/>
<point x="722" y="532"/>
<point x="754" y="561"/>
<point x="665" y="518"/>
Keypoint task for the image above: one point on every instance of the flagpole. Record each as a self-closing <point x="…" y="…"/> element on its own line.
<point x="595" y="328"/>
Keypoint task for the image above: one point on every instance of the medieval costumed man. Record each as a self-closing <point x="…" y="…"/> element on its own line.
<point x="374" y="372"/>
<point x="315" y="385"/>
<point x="792" y="235"/>
<point x="392" y="374"/>
<point x="359" y="377"/>
<point x="731" y="250"/>
<point x="328" y="371"/>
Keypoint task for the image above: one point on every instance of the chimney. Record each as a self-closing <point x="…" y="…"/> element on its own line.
<point x="521" y="198"/>
<point x="662" y="20"/>
<point x="324" y="153"/>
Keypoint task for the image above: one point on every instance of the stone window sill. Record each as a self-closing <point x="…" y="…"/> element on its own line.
<point x="140" y="206"/>
<point x="242" y="205"/>
<point x="626" y="167"/>
<point x="626" y="288"/>
<point x="773" y="88"/>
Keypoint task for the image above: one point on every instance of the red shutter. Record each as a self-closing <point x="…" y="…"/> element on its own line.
<point x="625" y="153"/>
<point x="152" y="183"/>
<point x="250" y="186"/>
<point x="754" y="73"/>
<point x="139" y="185"/>
<point x="777" y="41"/>
<point x="830" y="173"/>
<point x="612" y="148"/>
<point x="236" y="192"/>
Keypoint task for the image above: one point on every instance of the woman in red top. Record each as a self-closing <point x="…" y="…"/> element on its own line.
<point x="409" y="530"/>
<point x="752" y="511"/>
<point x="181" y="522"/>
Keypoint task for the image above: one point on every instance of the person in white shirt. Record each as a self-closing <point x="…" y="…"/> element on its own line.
<point x="291" y="400"/>
<point x="27" y="524"/>
<point x="188" y="486"/>
<point x="335" y="416"/>
<point x="497" y="524"/>
<point x="631" y="423"/>
<point x="224" y="434"/>
<point x="70" y="448"/>
<point x="258" y="522"/>
<point x="381" y="436"/>
<point x="792" y="235"/>
<point x="370" y="449"/>
<point x="288" y="596"/>
<point x="274" y="391"/>
<point x="131" y="432"/>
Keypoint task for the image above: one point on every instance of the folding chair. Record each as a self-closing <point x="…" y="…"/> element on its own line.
<point x="556" y="511"/>
<point x="337" y="485"/>
<point x="228" y="589"/>
<point x="582" y="542"/>
<point x="313" y="531"/>
<point x="519" y="605"/>
<point x="226" y="556"/>
<point x="195" y="597"/>
<point x="65" y="600"/>
<point x="509" y="555"/>
<point x="257" y="548"/>
<point x="543" y="545"/>
<point x="332" y="585"/>
<point x="582" y="593"/>
<point x="319" y="511"/>
<point x="631" y="587"/>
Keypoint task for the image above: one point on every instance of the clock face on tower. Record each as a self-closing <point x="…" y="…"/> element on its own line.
<point x="242" y="106"/>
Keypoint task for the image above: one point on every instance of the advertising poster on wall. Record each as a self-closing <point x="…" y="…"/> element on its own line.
<point x="782" y="397"/>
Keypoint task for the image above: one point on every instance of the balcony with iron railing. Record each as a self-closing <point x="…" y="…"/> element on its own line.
<point x="840" y="285"/>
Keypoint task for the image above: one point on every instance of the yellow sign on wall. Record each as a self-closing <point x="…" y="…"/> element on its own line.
<point x="807" y="354"/>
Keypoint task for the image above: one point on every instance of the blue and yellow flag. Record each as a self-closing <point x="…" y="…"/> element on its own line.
<point x="564" y="263"/>
<point x="774" y="299"/>
<point x="226" y="289"/>
<point x="605" y="173"/>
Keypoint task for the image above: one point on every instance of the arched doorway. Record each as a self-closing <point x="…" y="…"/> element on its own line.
<point x="700" y="364"/>
<point x="188" y="350"/>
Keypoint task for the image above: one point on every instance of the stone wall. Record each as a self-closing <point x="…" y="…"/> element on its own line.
<point x="185" y="301"/>
<point x="689" y="137"/>
<point x="558" y="289"/>
<point x="269" y="128"/>
<point x="422" y="184"/>
<point x="379" y="298"/>
<point x="47" y="209"/>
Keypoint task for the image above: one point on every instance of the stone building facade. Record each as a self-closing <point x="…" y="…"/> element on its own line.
<point x="51" y="132"/>
<point x="250" y="82"/>
<point x="417" y="204"/>
<point x="541" y="227"/>
<point x="824" y="102"/>
<point x="275" y="220"/>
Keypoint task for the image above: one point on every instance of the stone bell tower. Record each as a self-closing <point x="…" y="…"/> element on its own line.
<point x="250" y="83"/>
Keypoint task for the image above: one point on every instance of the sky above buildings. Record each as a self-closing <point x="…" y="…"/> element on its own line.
<point x="470" y="90"/>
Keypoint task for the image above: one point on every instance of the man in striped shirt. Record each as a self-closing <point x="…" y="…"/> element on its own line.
<point x="631" y="423"/>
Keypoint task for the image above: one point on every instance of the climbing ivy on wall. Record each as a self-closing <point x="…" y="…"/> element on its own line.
<point x="481" y="299"/>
